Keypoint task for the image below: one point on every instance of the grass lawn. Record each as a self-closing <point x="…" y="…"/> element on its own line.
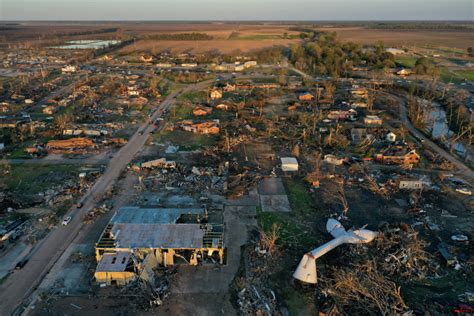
<point x="186" y="140"/>
<point x="297" y="227"/>
<point x="180" y="112"/>
<point x="193" y="96"/>
<point x="32" y="179"/>
<point x="300" y="200"/>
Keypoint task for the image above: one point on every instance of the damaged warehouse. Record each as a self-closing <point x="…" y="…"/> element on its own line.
<point x="137" y="239"/>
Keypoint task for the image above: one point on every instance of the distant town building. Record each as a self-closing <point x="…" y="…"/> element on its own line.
<point x="358" y="135"/>
<point x="69" y="69"/>
<point x="410" y="184"/>
<point x="373" y="120"/>
<point x="289" y="164"/>
<point x="209" y="127"/>
<point x="306" y="96"/>
<point x="50" y="109"/>
<point x="391" y="137"/>
<point x="146" y="58"/>
<point x="395" y="51"/>
<point x="202" y="110"/>
<point x="340" y="115"/>
<point x="215" y="94"/>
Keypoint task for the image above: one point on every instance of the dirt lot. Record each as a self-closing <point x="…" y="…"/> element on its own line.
<point x="403" y="38"/>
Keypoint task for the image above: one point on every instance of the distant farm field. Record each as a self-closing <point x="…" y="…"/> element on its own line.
<point x="459" y="39"/>
<point x="406" y="61"/>
<point x="224" y="46"/>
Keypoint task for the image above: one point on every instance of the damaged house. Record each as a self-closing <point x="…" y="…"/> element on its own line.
<point x="208" y="127"/>
<point x="358" y="135"/>
<point x="398" y="156"/>
<point x="136" y="237"/>
<point x="215" y="94"/>
<point x="340" y="115"/>
<point x="202" y="110"/>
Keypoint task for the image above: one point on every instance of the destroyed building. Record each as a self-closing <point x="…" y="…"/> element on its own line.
<point x="398" y="156"/>
<point x="202" y="110"/>
<point x="209" y="127"/>
<point x="70" y="144"/>
<point x="373" y="120"/>
<point x="358" y="135"/>
<point x="166" y="236"/>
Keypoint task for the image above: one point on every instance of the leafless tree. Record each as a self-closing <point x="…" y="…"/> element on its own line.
<point x="268" y="239"/>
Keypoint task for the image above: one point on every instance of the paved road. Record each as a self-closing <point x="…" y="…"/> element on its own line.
<point x="465" y="171"/>
<point x="18" y="286"/>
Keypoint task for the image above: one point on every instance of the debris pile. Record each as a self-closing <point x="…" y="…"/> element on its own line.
<point x="254" y="297"/>
<point x="405" y="254"/>
<point x="95" y="212"/>
<point x="367" y="278"/>
<point x="144" y="295"/>
<point x="363" y="288"/>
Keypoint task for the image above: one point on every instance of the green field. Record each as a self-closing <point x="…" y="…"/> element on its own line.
<point x="194" y="96"/>
<point x="466" y="74"/>
<point x="456" y="76"/>
<point x="28" y="180"/>
<point x="406" y="61"/>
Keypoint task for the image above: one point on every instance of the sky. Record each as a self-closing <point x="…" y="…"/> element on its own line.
<point x="237" y="10"/>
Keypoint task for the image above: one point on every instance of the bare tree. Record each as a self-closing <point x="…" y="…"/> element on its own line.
<point x="341" y="194"/>
<point x="268" y="240"/>
<point x="329" y="89"/>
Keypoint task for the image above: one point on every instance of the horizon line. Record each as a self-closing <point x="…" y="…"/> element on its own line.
<point x="241" y="20"/>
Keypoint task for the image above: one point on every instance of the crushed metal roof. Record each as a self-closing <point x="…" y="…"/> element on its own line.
<point x="135" y="235"/>
<point x="113" y="262"/>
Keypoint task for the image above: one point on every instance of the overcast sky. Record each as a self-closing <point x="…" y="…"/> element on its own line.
<point x="236" y="9"/>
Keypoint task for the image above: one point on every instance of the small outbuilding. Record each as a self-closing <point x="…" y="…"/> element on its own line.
<point x="289" y="164"/>
<point x="391" y="137"/>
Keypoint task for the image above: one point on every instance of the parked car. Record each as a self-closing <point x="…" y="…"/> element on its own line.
<point x="67" y="220"/>
<point x="80" y="204"/>
<point x="140" y="133"/>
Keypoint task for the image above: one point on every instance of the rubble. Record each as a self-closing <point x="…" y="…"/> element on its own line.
<point x="369" y="278"/>
<point x="146" y="295"/>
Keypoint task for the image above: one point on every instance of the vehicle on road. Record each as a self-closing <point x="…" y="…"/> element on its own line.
<point x="66" y="220"/>
<point x="21" y="264"/>
<point x="80" y="204"/>
<point x="140" y="133"/>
